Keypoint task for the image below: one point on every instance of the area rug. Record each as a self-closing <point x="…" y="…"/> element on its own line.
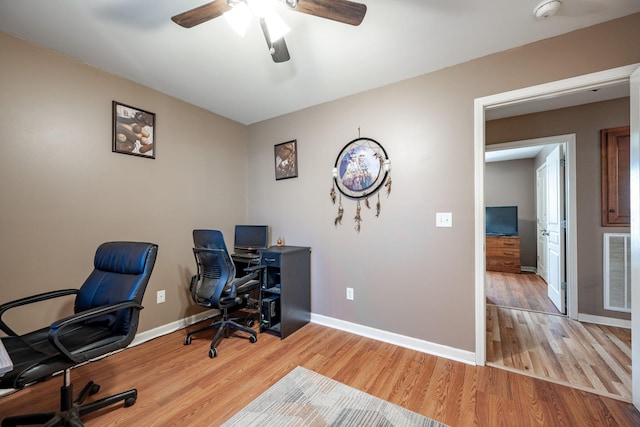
<point x="306" y="398"/>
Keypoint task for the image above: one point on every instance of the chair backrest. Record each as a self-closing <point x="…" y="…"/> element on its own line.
<point x="215" y="267"/>
<point x="121" y="273"/>
<point x="213" y="239"/>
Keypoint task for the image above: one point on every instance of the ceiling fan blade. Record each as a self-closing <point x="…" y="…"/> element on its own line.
<point x="278" y="49"/>
<point x="344" y="11"/>
<point x="201" y="14"/>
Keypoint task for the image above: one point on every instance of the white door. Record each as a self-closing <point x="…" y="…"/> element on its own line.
<point x="541" y="221"/>
<point x="555" y="228"/>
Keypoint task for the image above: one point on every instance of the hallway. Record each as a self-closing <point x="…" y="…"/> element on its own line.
<point x="586" y="356"/>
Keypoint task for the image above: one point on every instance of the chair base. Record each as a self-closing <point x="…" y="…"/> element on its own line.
<point x="224" y="325"/>
<point x="71" y="410"/>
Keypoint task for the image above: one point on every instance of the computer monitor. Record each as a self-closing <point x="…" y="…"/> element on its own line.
<point x="501" y="220"/>
<point x="251" y="238"/>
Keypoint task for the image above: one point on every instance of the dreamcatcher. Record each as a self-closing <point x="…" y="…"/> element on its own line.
<point x="360" y="171"/>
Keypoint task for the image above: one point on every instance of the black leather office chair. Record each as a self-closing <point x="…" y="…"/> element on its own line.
<point x="106" y="308"/>
<point x="215" y="285"/>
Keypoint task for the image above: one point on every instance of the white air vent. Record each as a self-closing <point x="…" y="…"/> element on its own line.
<point x="617" y="272"/>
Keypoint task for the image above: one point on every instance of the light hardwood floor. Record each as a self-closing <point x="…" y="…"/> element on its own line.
<point x="506" y="289"/>
<point x="587" y="356"/>
<point x="180" y="386"/>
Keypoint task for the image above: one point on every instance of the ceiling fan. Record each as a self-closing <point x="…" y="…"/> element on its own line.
<point x="344" y="11"/>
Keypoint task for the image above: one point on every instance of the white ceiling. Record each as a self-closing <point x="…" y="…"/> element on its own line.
<point x="512" y="154"/>
<point x="580" y="97"/>
<point x="212" y="67"/>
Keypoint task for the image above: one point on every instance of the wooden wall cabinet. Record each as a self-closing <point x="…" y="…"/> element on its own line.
<point x="615" y="170"/>
<point x="503" y="254"/>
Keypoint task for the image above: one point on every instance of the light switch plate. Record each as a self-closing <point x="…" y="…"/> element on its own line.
<point x="444" y="219"/>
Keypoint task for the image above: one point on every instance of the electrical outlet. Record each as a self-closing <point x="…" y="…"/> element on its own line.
<point x="350" y="294"/>
<point x="161" y="297"/>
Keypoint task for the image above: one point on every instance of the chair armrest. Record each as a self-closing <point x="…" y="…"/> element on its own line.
<point x="239" y="281"/>
<point x="230" y="299"/>
<point x="30" y="300"/>
<point x="253" y="268"/>
<point x="83" y="316"/>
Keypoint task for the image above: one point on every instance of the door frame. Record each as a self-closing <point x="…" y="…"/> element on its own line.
<point x="557" y="88"/>
<point x="568" y="143"/>
<point x="634" y="95"/>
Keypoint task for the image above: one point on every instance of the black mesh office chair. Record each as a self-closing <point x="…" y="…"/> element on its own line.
<point x="106" y="308"/>
<point x="215" y="286"/>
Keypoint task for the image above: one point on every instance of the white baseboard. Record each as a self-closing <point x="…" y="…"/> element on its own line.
<point x="365" y="331"/>
<point x="606" y="321"/>
<point x="396" y="339"/>
<point x="528" y="269"/>
<point x="172" y="327"/>
<point x="150" y="334"/>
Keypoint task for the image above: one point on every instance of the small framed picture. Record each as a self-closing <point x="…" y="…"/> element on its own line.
<point x="133" y="131"/>
<point x="286" y="157"/>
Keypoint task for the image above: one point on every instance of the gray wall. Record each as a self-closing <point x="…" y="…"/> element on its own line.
<point x="585" y="121"/>
<point x="63" y="192"/>
<point x="512" y="183"/>
<point x="409" y="276"/>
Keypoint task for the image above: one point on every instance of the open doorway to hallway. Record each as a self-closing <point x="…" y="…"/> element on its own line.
<point x="516" y="336"/>
<point x="525" y="330"/>
<point x="539" y="95"/>
<point x="533" y="180"/>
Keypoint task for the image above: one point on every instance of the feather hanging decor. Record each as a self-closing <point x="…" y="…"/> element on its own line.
<point x="357" y="218"/>
<point x="361" y="169"/>
<point x="338" y="219"/>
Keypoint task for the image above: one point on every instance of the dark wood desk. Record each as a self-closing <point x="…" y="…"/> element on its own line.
<point x="285" y="292"/>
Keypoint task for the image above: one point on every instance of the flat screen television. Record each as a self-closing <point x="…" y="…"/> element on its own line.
<point x="501" y="220"/>
<point x="251" y="238"/>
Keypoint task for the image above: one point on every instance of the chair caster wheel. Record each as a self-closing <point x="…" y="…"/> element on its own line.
<point x="249" y="323"/>
<point x="253" y="339"/>
<point x="129" y="402"/>
<point x="213" y="353"/>
<point x="187" y="340"/>
<point x="94" y="389"/>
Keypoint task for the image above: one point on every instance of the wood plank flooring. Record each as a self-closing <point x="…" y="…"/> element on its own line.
<point x="180" y="386"/>
<point x="587" y="356"/>
<point x="525" y="290"/>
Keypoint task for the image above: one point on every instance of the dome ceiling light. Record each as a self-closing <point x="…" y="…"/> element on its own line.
<point x="546" y="8"/>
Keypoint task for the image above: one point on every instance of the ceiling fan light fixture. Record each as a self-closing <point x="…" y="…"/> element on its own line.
<point x="239" y="17"/>
<point x="276" y="25"/>
<point x="261" y="8"/>
<point x="546" y="8"/>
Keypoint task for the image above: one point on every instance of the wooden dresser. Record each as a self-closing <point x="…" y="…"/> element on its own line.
<point x="503" y="254"/>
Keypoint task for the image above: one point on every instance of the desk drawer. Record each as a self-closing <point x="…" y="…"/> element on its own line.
<point x="503" y="242"/>
<point x="503" y="252"/>
<point x="271" y="259"/>
<point x="503" y="264"/>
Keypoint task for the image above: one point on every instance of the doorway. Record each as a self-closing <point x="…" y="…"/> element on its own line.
<point x="537" y="93"/>
<point x="535" y="220"/>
